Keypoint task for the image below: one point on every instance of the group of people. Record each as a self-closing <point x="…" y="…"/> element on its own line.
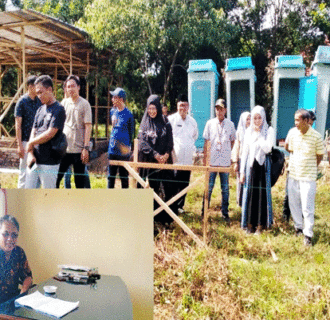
<point x="171" y="139"/>
<point x="40" y="121"/>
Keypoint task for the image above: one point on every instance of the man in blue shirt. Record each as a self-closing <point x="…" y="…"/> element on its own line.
<point x="122" y="122"/>
<point x="25" y="111"/>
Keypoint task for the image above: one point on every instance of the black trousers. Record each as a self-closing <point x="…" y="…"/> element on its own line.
<point x="123" y="173"/>
<point x="78" y="169"/>
<point x="182" y="179"/>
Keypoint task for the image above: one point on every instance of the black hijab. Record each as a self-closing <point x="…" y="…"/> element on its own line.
<point x="154" y="134"/>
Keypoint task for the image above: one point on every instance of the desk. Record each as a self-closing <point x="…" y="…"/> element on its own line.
<point x="108" y="299"/>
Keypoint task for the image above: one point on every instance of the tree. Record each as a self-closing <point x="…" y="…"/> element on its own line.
<point x="151" y="34"/>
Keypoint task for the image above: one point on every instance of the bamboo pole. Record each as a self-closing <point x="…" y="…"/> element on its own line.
<point x="23" y="56"/>
<point x="135" y="158"/>
<point x="70" y="58"/>
<point x="96" y="108"/>
<point x="12" y="101"/>
<point x="165" y="206"/>
<point x="87" y="73"/>
<point x="179" y="195"/>
<point x="55" y="82"/>
<point x="206" y="191"/>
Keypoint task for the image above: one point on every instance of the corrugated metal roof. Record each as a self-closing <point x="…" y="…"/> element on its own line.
<point x="46" y="39"/>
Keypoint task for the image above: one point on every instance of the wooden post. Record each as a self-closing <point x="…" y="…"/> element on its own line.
<point x="70" y="58"/>
<point x="135" y="159"/>
<point x="55" y="82"/>
<point x="0" y="80"/>
<point x="96" y="108"/>
<point x="107" y="124"/>
<point x="206" y="191"/>
<point x="23" y="56"/>
<point x="87" y="85"/>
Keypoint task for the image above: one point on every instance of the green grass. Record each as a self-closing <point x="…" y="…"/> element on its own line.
<point x="239" y="276"/>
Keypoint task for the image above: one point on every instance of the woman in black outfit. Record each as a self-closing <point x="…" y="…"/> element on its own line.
<point x="155" y="145"/>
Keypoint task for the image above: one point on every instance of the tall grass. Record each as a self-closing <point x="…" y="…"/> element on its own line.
<point x="239" y="276"/>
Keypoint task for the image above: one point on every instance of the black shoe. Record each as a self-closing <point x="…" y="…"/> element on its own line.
<point x="308" y="241"/>
<point x="299" y="232"/>
<point x="226" y="218"/>
<point x="285" y="217"/>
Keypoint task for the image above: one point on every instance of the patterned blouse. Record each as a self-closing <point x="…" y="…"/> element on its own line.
<point x="12" y="273"/>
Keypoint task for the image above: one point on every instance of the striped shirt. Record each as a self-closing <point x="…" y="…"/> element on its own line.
<point x="304" y="148"/>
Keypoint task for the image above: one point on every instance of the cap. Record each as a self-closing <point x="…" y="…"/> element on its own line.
<point x="119" y="92"/>
<point x="221" y="103"/>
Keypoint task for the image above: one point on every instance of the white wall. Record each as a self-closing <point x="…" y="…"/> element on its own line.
<point x="108" y="229"/>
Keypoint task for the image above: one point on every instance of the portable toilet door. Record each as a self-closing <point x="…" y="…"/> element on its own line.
<point x="240" y="87"/>
<point x="203" y="83"/>
<point x="287" y="74"/>
<point x="321" y="70"/>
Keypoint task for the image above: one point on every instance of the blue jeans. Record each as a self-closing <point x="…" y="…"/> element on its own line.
<point x="224" y="183"/>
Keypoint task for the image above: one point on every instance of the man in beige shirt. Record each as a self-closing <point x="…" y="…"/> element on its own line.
<point x="77" y="128"/>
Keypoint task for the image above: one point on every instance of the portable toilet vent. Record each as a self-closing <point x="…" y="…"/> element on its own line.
<point x="240" y="87"/>
<point x="203" y="82"/>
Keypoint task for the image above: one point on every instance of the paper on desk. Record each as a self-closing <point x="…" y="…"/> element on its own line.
<point x="51" y="306"/>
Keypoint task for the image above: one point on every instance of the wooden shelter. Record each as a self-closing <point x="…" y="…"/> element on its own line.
<point x="39" y="44"/>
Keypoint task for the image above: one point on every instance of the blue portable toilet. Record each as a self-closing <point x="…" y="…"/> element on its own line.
<point x="321" y="70"/>
<point x="203" y="82"/>
<point x="240" y="87"/>
<point x="287" y="74"/>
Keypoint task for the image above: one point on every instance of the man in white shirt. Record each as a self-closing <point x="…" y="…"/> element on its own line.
<point x="221" y="133"/>
<point x="185" y="133"/>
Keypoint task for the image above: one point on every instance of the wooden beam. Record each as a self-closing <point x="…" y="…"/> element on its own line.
<point x="173" y="166"/>
<point x="70" y="58"/>
<point x="19" y="24"/>
<point x="165" y="206"/>
<point x="18" y="92"/>
<point x="87" y="73"/>
<point x="63" y="66"/>
<point x="23" y="56"/>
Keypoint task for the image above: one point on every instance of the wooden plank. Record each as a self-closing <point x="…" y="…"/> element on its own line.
<point x="180" y="194"/>
<point x="166" y="207"/>
<point x="172" y="166"/>
<point x="206" y="190"/>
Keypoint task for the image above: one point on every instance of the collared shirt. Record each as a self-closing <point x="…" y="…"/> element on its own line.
<point x="12" y="273"/>
<point x="304" y="148"/>
<point x="26" y="109"/>
<point x="77" y="115"/>
<point x="221" y="136"/>
<point x="185" y="133"/>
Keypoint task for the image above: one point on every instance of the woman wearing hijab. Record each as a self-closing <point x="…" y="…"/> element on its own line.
<point x="236" y="154"/>
<point x="155" y="145"/>
<point x="255" y="173"/>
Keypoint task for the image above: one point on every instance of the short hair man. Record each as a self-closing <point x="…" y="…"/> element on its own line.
<point x="43" y="163"/>
<point x="286" y="207"/>
<point x="185" y="134"/>
<point x="221" y="133"/>
<point x="120" y="142"/>
<point x="25" y="111"/>
<point x="306" y="147"/>
<point x="77" y="128"/>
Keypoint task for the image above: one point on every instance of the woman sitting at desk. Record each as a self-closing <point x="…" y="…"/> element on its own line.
<point x="14" y="267"/>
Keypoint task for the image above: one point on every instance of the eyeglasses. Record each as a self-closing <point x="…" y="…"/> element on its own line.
<point x="13" y="235"/>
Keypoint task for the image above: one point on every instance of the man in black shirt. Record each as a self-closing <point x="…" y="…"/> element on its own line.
<point x="43" y="164"/>
<point x="25" y="112"/>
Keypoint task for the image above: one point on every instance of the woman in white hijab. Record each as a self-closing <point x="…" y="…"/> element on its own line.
<point x="255" y="173"/>
<point x="236" y="153"/>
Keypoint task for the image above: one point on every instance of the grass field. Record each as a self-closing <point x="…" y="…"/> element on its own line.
<point x="239" y="276"/>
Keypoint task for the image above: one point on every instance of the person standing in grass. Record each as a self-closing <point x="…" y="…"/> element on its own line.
<point x="307" y="150"/>
<point x="255" y="173"/>
<point x="121" y="138"/>
<point x="286" y="207"/>
<point x="25" y="111"/>
<point x="221" y="133"/>
<point x="185" y="133"/>
<point x="243" y="124"/>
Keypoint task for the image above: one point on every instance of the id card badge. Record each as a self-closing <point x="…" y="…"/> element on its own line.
<point x="218" y="145"/>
